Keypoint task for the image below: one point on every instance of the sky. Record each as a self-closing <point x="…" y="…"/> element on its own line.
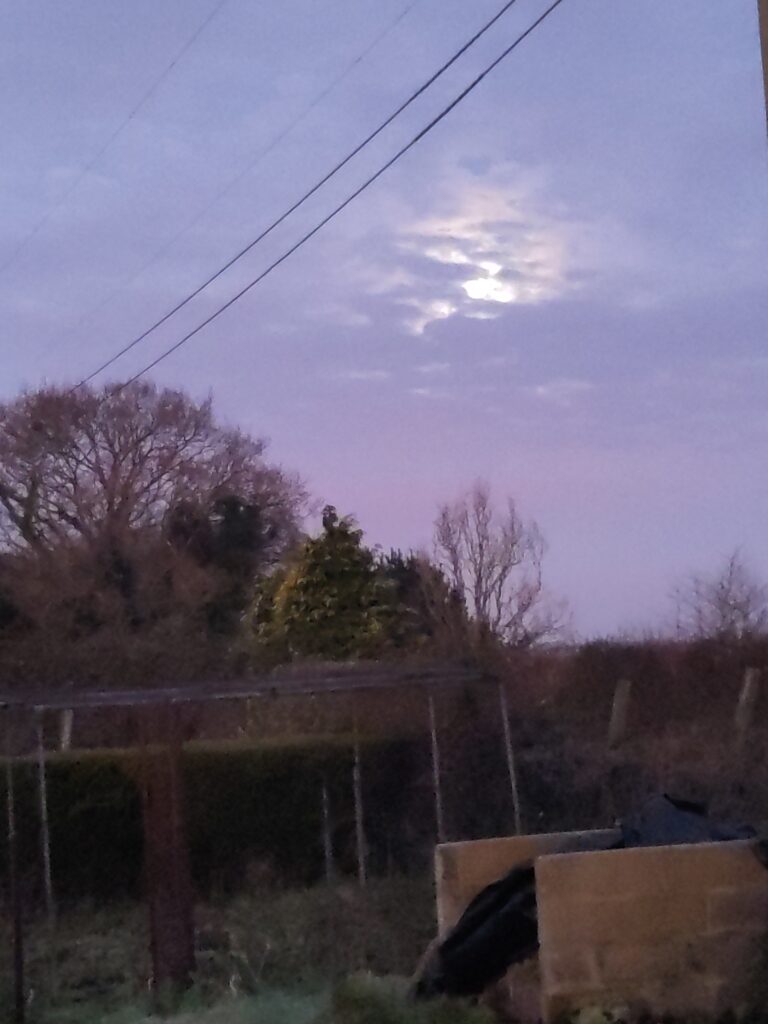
<point x="562" y="290"/>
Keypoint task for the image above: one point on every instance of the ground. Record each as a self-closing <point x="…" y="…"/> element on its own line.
<point x="277" y="955"/>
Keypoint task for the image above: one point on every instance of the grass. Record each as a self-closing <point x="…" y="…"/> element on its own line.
<point x="360" y="999"/>
<point x="271" y="1007"/>
<point x="263" y="956"/>
<point x="370" y="1000"/>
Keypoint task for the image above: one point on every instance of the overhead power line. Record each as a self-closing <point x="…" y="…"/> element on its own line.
<point x="307" y="195"/>
<point x="256" y="160"/>
<point x="350" y="198"/>
<point x="118" y="131"/>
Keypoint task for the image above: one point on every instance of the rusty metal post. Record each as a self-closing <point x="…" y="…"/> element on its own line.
<point x="330" y="868"/>
<point x="357" y="787"/>
<point x="14" y="883"/>
<point x="166" y="857"/>
<point x="45" y="829"/>
<point x="436" y="778"/>
<point x="509" y="756"/>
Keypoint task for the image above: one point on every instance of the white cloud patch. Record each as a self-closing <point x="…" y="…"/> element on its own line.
<point x="482" y="314"/>
<point x="362" y="375"/>
<point x="434" y="368"/>
<point x="381" y="281"/>
<point x="561" y="390"/>
<point x="430" y="392"/>
<point x="496" y="362"/>
<point x="342" y="315"/>
<point x="491" y="247"/>
<point x="427" y="311"/>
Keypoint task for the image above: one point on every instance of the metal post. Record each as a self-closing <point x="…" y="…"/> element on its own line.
<point x="439" y="820"/>
<point x="66" y="724"/>
<point x="510" y="757"/>
<point x="45" y="833"/>
<point x="327" y="835"/>
<point x="14" y="885"/>
<point x="362" y="873"/>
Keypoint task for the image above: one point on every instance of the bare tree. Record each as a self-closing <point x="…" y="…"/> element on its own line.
<point x="132" y="528"/>
<point x="729" y="605"/>
<point x="92" y="465"/>
<point x="493" y="561"/>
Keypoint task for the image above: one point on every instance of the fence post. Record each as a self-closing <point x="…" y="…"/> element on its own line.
<point x="439" y="820"/>
<point x="45" y="832"/>
<point x="327" y="835"/>
<point x="45" y="851"/>
<point x="746" y="705"/>
<point x="14" y="883"/>
<point x="617" y="728"/>
<point x="510" y="759"/>
<point x="166" y="855"/>
<point x="66" y="723"/>
<point x="362" y="875"/>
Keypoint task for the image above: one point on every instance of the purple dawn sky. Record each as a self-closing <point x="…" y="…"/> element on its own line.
<point x="562" y="290"/>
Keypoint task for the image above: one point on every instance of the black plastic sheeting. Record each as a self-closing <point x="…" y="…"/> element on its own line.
<point x="499" y="927"/>
<point x="665" y="821"/>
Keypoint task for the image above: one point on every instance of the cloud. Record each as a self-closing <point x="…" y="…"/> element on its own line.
<point x="482" y="314"/>
<point x="430" y="392"/>
<point x="362" y="375"/>
<point x="344" y="316"/>
<point x="384" y="281"/>
<point x="434" y="368"/>
<point x="561" y="390"/>
<point x="427" y="311"/>
<point x="496" y="362"/>
<point x="488" y="246"/>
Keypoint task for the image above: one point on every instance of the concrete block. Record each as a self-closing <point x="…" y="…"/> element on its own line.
<point x="462" y="870"/>
<point x="569" y="968"/>
<point x="617" y="961"/>
<point x="667" y="927"/>
<point x="659" y="868"/>
<point x="739" y="907"/>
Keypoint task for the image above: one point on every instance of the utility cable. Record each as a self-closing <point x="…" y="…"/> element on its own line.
<point x="253" y="163"/>
<point x="300" y="202"/>
<point x="350" y="198"/>
<point x="85" y="171"/>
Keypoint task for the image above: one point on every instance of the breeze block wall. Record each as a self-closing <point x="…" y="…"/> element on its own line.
<point x="462" y="870"/>
<point x="674" y="930"/>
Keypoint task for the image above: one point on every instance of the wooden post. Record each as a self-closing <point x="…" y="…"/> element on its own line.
<point x="510" y="758"/>
<point x="45" y="834"/>
<point x="362" y="875"/>
<point x="617" y="727"/>
<point x="762" y="14"/>
<point x="436" y="782"/>
<point x="45" y="852"/>
<point x="330" y="871"/>
<point x="66" y="722"/>
<point x="745" y="708"/>
<point x="167" y="869"/>
<point x="14" y="885"/>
